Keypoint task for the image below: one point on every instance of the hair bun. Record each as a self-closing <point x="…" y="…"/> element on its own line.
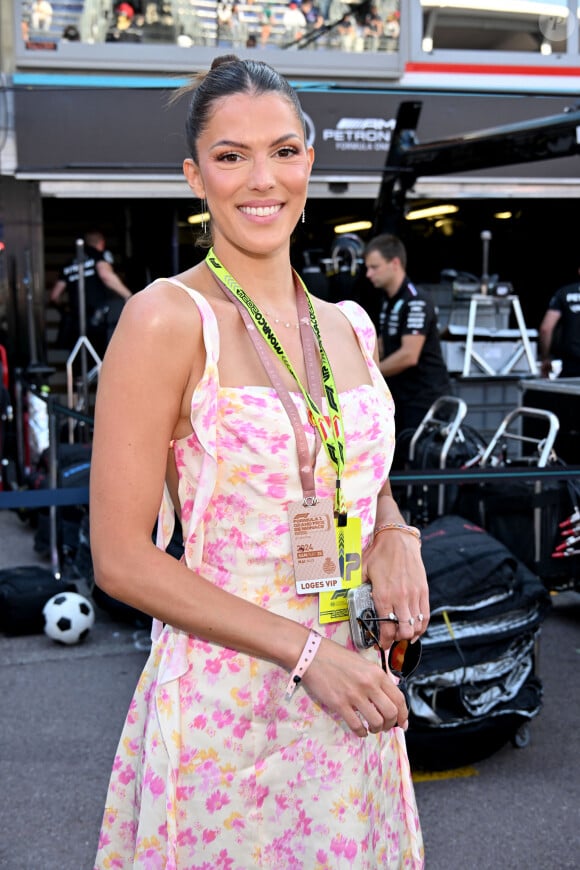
<point x="224" y="58"/>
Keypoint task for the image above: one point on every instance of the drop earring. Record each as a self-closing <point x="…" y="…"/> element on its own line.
<point x="203" y="214"/>
<point x="303" y="215"/>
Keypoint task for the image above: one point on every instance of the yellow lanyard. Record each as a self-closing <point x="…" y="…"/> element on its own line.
<point x="331" y="430"/>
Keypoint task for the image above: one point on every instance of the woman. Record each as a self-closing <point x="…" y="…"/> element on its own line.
<point x="224" y="761"/>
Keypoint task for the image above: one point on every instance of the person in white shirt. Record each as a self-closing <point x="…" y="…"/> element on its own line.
<point x="294" y="21"/>
<point x="41" y="15"/>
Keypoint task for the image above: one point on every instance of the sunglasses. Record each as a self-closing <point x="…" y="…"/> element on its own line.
<point x="403" y="657"/>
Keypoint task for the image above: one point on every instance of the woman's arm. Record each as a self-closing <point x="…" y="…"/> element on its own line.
<point x="394" y="566"/>
<point x="392" y="563"/>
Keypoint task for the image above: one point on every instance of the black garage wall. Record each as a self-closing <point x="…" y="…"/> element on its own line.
<point x="537" y="249"/>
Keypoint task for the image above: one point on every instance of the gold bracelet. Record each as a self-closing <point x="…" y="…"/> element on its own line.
<point x="400" y="527"/>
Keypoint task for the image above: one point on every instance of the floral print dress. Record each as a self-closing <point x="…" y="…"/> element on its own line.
<point x="215" y="769"/>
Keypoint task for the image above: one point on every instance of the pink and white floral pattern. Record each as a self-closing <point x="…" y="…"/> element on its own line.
<point x="215" y="769"/>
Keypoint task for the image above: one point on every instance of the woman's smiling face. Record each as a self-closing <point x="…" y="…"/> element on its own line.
<point x="253" y="169"/>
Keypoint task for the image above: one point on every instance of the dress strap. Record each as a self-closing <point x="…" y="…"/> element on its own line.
<point x="209" y="321"/>
<point x="362" y="325"/>
<point x="366" y="334"/>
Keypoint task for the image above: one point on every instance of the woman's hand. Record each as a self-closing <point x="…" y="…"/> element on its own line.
<point x="366" y="698"/>
<point x="393" y="565"/>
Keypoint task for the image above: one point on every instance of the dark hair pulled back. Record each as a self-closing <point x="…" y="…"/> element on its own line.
<point x="231" y="75"/>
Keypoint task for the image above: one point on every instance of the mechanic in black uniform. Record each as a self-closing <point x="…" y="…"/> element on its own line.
<point x="564" y="313"/>
<point x="409" y="347"/>
<point x="105" y="293"/>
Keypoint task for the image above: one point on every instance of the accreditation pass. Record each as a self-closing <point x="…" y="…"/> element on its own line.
<point x="314" y="549"/>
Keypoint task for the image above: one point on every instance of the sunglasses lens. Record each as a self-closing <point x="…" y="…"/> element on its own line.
<point x="368" y="621"/>
<point x="404" y="657"/>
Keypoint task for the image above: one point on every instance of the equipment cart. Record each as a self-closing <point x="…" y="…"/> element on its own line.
<point x="537" y="520"/>
<point x="440" y="441"/>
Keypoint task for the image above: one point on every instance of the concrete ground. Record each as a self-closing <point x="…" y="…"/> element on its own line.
<point x="62" y="710"/>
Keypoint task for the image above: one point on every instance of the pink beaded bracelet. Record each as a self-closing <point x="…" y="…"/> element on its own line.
<point x="400" y="527"/>
<point x="304" y="662"/>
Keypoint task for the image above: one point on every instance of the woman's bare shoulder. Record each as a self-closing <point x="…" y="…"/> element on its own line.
<point x="160" y="328"/>
<point x="165" y="305"/>
<point x="322" y="307"/>
<point x="331" y="314"/>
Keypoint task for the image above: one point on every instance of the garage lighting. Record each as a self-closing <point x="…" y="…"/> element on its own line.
<point x="431" y="211"/>
<point x="503" y="215"/>
<point x="200" y="218"/>
<point x="353" y="227"/>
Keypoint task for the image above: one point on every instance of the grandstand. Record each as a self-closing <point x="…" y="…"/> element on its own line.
<point x="64" y="14"/>
<point x="199" y="23"/>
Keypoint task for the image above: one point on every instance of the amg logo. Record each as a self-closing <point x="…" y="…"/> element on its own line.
<point x="365" y="124"/>
<point x="360" y="134"/>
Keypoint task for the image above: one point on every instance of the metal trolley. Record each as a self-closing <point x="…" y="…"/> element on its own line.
<point x="440" y="441"/>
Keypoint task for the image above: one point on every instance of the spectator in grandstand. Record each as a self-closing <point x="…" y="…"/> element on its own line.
<point x="348" y="28"/>
<point x="265" y="24"/>
<point x="409" y="349"/>
<point x="41" y="15"/>
<point x="151" y="13"/>
<point x="392" y="31"/>
<point x="342" y="24"/>
<point x="125" y="8"/>
<point x="359" y="28"/>
<point x="294" y="21"/>
<point x="251" y="17"/>
<point x="70" y="34"/>
<point x="224" y="21"/>
<point x="560" y="332"/>
<point x="313" y="16"/>
<point x="239" y="27"/>
<point x="127" y="26"/>
<point x="372" y="28"/>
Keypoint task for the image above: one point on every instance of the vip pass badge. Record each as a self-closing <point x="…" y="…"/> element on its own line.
<point x="319" y="543"/>
<point x="314" y="547"/>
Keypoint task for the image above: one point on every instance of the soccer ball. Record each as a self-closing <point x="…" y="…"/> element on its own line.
<point x="68" y="617"/>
